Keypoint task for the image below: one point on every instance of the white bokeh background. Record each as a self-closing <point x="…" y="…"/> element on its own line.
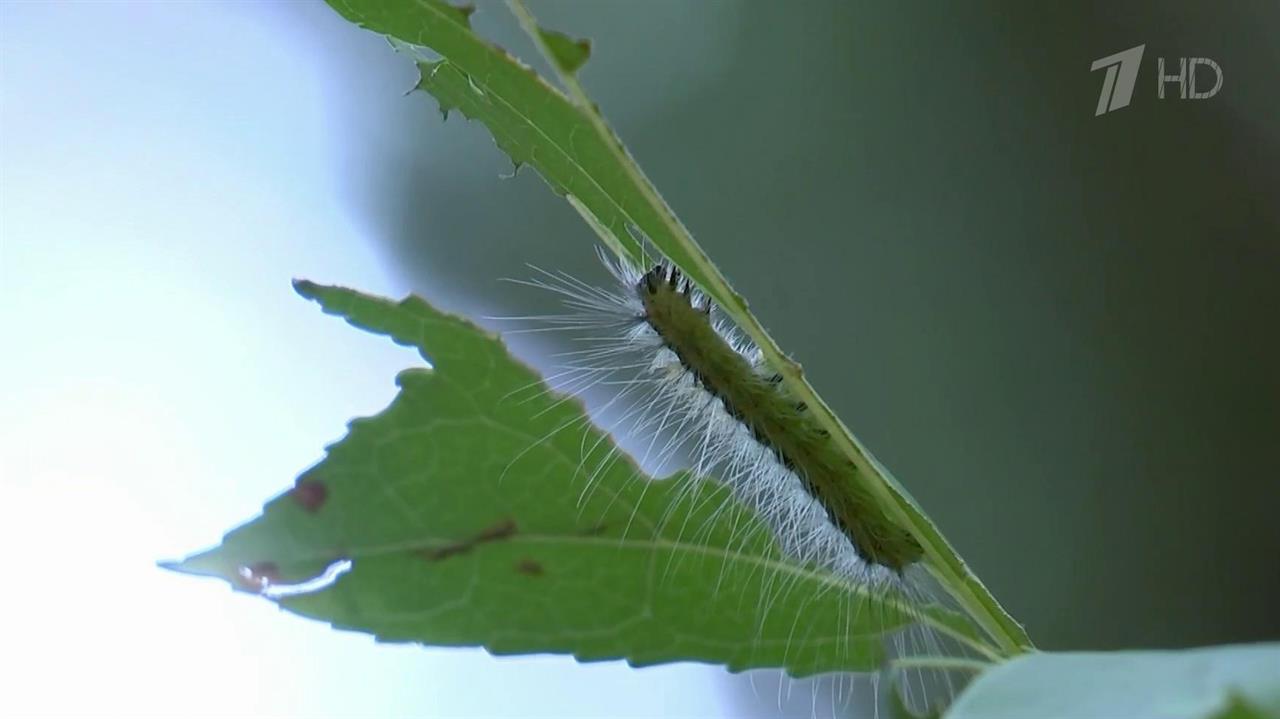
<point x="165" y="169"/>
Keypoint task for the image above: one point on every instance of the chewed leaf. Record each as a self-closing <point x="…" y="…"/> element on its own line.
<point x="481" y="509"/>
<point x="531" y="121"/>
<point x="1231" y="682"/>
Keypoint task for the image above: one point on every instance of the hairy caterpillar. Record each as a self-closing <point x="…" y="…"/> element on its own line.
<point x="694" y="378"/>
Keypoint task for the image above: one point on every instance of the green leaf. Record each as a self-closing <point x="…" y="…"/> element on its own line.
<point x="482" y="509"/>
<point x="567" y="53"/>
<point x="530" y="120"/>
<point x="574" y="150"/>
<point x="1232" y="682"/>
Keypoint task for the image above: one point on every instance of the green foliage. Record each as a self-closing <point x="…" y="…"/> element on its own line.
<point x="575" y="151"/>
<point x="567" y="54"/>
<point x="1233" y="682"/>
<point x="531" y="121"/>
<point x="482" y="509"/>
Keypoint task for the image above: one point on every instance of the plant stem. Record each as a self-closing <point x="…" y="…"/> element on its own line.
<point x="942" y="561"/>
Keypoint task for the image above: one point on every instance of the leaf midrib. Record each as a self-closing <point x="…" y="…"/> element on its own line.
<point x="796" y="571"/>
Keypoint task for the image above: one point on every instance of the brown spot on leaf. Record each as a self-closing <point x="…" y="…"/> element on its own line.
<point x="530" y="567"/>
<point x="504" y="529"/>
<point x="269" y="571"/>
<point x="310" y="494"/>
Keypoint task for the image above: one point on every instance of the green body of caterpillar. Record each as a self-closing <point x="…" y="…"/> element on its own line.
<point x="776" y="420"/>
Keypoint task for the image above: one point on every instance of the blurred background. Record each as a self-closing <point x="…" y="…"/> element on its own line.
<point x="1058" y="330"/>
